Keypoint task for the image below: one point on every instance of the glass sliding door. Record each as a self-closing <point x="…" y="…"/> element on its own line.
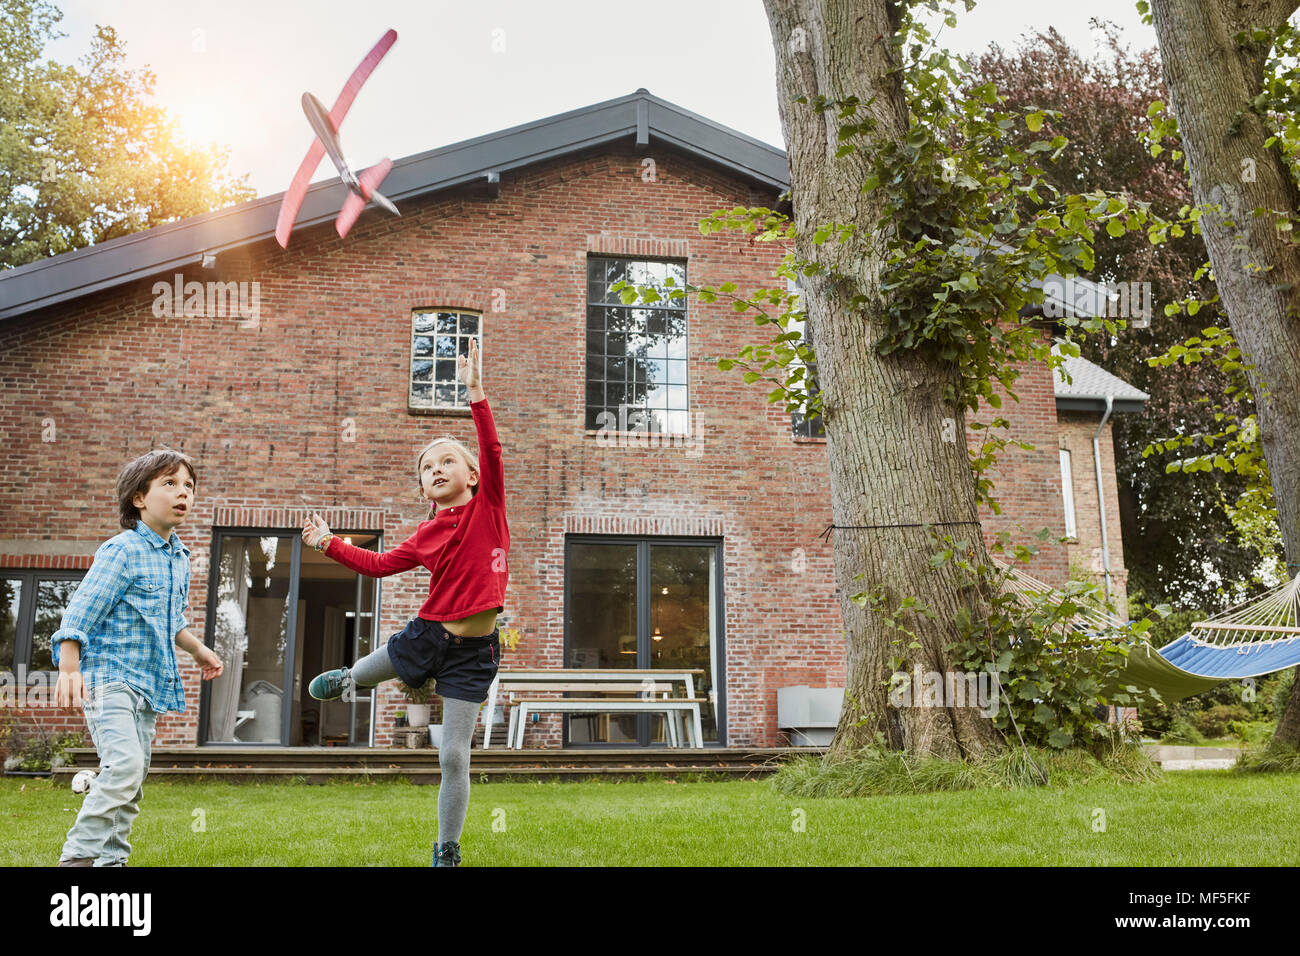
<point x="279" y="614"/>
<point x="681" y="620"/>
<point x="253" y="615"/>
<point x="643" y="604"/>
<point x="602" y="631"/>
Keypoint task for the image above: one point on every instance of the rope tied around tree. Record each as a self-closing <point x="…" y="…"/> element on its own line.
<point x="867" y="527"/>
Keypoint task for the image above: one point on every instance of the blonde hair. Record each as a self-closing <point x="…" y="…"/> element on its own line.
<point x="465" y="454"/>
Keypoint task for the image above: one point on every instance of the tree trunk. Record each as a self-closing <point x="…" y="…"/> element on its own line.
<point x="884" y="415"/>
<point x="1211" y="81"/>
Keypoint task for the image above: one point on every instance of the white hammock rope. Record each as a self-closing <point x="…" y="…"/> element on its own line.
<point x="1272" y="618"/>
<point x="1088" y="619"/>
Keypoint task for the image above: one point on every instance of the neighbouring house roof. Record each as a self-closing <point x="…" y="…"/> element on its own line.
<point x="640" y="117"/>
<point x="1089" y="386"/>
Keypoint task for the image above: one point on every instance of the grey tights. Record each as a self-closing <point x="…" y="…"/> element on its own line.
<point x="458" y="720"/>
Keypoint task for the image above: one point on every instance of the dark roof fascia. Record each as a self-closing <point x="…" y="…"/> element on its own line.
<point x="177" y="245"/>
<point x="1098" y="405"/>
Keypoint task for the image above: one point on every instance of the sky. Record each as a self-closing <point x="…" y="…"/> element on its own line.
<point x="233" y="71"/>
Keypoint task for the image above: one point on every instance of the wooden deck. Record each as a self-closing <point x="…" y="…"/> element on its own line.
<point x="323" y="764"/>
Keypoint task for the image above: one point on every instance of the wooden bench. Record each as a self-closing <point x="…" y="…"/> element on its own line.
<point x="591" y="680"/>
<point x="668" y="706"/>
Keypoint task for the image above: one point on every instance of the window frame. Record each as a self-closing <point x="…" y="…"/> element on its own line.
<point x="433" y="358"/>
<point x="26" y="621"/>
<point x="1067" y="494"/>
<point x="669" y="307"/>
<point x="801" y="426"/>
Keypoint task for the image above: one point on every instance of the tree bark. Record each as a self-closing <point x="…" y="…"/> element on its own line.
<point x="1211" y="81"/>
<point x="884" y="415"/>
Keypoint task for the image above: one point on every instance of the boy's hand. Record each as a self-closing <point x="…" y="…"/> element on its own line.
<point x="70" y="690"/>
<point x="314" y="529"/>
<point x="469" y="371"/>
<point x="208" y="662"/>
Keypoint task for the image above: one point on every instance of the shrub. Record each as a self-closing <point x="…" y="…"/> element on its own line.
<point x="1055" y="681"/>
<point x="1181" y="731"/>
<point x="1281" y="693"/>
<point x="1251" y="731"/>
<point x="37" y="750"/>
<point x="1214" y="721"/>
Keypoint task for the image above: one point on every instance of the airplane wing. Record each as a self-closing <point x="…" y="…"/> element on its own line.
<point x="297" y="191"/>
<point x="368" y="180"/>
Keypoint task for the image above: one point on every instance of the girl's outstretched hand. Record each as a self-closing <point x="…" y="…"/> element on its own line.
<point x="314" y="529"/>
<point x="469" y="371"/>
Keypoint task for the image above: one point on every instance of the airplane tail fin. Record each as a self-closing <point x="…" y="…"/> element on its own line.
<point x="369" y="181"/>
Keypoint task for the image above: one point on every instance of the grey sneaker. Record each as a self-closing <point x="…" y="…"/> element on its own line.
<point x="79" y="861"/>
<point x="446" y="854"/>
<point x="331" y="684"/>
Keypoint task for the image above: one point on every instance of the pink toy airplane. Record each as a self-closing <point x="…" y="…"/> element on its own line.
<point x="364" y="187"/>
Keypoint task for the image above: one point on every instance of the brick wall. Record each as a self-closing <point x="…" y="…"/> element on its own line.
<point x="1027" y="482"/>
<point x="265" y="409"/>
<point x="1085" y="552"/>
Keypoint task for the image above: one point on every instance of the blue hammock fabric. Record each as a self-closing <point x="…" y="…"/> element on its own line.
<point x="1229" y="663"/>
<point x="1189" y="666"/>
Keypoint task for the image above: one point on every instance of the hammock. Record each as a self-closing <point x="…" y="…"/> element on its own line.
<point x="1251" y="639"/>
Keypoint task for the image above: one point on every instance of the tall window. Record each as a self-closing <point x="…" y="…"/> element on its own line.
<point x="803" y="425"/>
<point x="437" y="338"/>
<point x="1067" y="491"/>
<point x="31" y="610"/>
<point x="636" y="356"/>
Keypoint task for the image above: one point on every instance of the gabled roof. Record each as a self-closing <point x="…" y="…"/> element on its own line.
<point x="1090" y="385"/>
<point x="175" y="245"/>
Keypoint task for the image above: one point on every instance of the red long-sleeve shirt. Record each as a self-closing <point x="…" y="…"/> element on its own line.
<point x="463" y="547"/>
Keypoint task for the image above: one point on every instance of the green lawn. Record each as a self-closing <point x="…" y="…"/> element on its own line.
<point x="1187" y="818"/>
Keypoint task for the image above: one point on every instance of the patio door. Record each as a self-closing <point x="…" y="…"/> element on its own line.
<point x="643" y="603"/>
<point x="253" y="620"/>
<point x="278" y="615"/>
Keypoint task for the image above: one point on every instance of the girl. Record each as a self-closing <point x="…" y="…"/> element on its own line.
<point x="454" y="638"/>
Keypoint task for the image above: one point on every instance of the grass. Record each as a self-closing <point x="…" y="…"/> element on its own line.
<point x="1274" y="757"/>
<point x="876" y="772"/>
<point x="1189" y="818"/>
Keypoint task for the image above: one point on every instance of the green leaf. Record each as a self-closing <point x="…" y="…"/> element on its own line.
<point x="1034" y="121"/>
<point x="1060" y="738"/>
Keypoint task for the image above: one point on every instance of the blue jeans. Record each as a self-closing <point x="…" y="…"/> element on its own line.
<point x="122" y="727"/>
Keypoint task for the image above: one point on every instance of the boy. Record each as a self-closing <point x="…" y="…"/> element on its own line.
<point x="114" y="648"/>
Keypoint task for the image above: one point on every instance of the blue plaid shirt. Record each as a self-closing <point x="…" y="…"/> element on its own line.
<point x="126" y="614"/>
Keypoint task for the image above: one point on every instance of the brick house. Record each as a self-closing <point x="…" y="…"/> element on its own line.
<point x="306" y="380"/>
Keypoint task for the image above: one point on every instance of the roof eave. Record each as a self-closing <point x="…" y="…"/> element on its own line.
<point x="1093" y="403"/>
<point x="640" y="115"/>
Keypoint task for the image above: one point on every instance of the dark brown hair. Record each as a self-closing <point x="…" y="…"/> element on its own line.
<point x="138" y="475"/>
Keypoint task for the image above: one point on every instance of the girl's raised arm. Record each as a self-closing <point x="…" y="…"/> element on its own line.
<point x="490" y="468"/>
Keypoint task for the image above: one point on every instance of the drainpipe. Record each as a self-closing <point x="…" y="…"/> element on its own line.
<point x="1101" y="499"/>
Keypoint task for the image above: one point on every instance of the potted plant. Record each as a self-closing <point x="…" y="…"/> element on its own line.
<point x="418" y="703"/>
